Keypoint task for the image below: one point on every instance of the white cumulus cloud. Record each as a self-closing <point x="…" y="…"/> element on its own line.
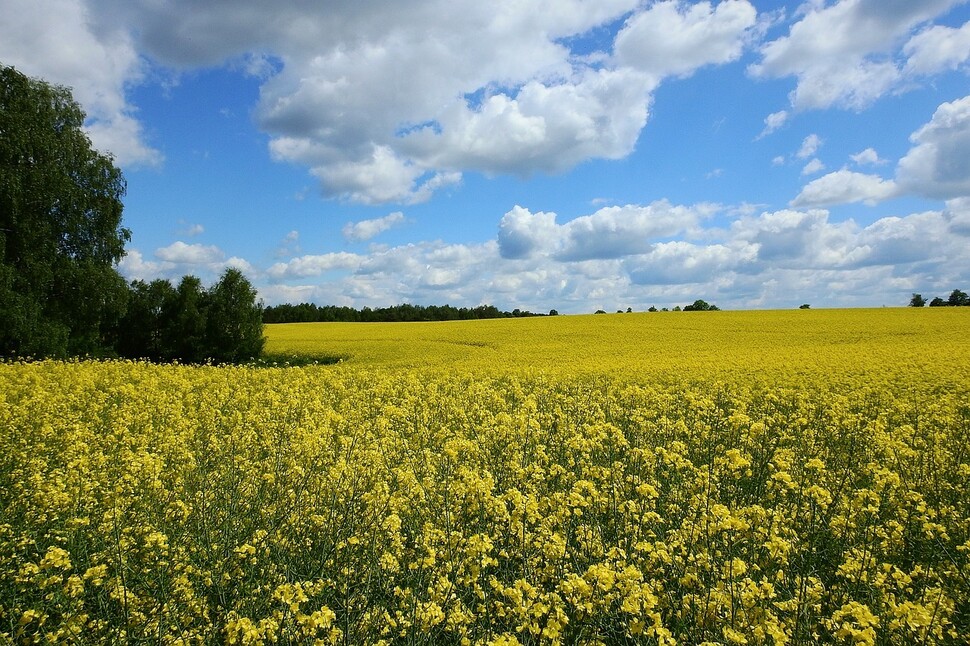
<point x="772" y="259"/>
<point x="867" y="157"/>
<point x="609" y="233"/>
<point x="812" y="167"/>
<point x="389" y="103"/>
<point x="367" y="229"/>
<point x="845" y="187"/>
<point x="937" y="49"/>
<point x="810" y="146"/>
<point x="314" y="265"/>
<point x="676" y="38"/>
<point x="842" y="53"/>
<point x="773" y="122"/>
<point x="938" y="165"/>
<point x="63" y="42"/>
<point x="189" y="254"/>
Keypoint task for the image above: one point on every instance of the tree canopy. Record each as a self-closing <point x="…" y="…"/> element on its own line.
<point x="311" y="313"/>
<point x="701" y="306"/>
<point x="61" y="239"/>
<point x="190" y="323"/>
<point x="60" y="225"/>
<point x="957" y="298"/>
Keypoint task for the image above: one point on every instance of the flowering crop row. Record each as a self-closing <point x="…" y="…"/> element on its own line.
<point x="171" y="504"/>
<point x="802" y="482"/>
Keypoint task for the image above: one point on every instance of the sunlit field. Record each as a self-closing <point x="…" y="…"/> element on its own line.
<point x="695" y="345"/>
<point x="724" y="477"/>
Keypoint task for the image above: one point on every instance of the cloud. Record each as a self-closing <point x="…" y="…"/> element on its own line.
<point x="367" y="229"/>
<point x="958" y="215"/>
<point x="938" y="165"/>
<point x="386" y="103"/>
<point x="133" y="266"/>
<point x="680" y="253"/>
<point x="381" y="176"/>
<point x="522" y="233"/>
<point x="937" y="49"/>
<point x="808" y="240"/>
<point x="190" y="230"/>
<point x="797" y="239"/>
<point x="845" y="187"/>
<point x="615" y="232"/>
<point x="773" y="122"/>
<point x="189" y="254"/>
<point x="314" y="265"/>
<point x="178" y="259"/>
<point x="842" y="54"/>
<point x="609" y="233"/>
<point x="675" y="39"/>
<point x="682" y="263"/>
<point x="241" y="264"/>
<point x="543" y="128"/>
<point x="810" y="146"/>
<point x="813" y="167"/>
<point x="61" y="42"/>
<point x="289" y="246"/>
<point x="867" y="157"/>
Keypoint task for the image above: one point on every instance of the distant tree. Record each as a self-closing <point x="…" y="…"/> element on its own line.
<point x="553" y="313"/>
<point x="917" y="300"/>
<point x="599" y="312"/>
<point x="184" y="322"/>
<point x="234" y="326"/>
<point x="700" y="306"/>
<point x="652" y="309"/>
<point x="191" y="324"/>
<point x="629" y="310"/>
<point x="938" y="302"/>
<point x="676" y="308"/>
<point x="958" y="299"/>
<point x="664" y="310"/>
<point x="140" y="331"/>
<point x="804" y="306"/>
<point x="60" y="225"/>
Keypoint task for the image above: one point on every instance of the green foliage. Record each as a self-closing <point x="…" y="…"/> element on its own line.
<point x="141" y="329"/>
<point x="234" y="325"/>
<point x="701" y="306"/>
<point x="191" y="324"/>
<point x="917" y="300"/>
<point x="311" y="313"/>
<point x="60" y="225"/>
<point x="957" y="298"/>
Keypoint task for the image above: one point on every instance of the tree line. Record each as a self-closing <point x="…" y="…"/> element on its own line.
<point x="189" y="323"/>
<point x="957" y="298"/>
<point x="61" y="238"/>
<point x="311" y="313"/>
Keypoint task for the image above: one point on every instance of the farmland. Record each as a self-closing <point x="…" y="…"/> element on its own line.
<point x="728" y="477"/>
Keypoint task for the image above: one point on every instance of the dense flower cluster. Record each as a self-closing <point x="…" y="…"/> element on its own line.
<point x="341" y="504"/>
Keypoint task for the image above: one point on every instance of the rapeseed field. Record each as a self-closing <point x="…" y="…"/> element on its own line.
<point x="669" y="478"/>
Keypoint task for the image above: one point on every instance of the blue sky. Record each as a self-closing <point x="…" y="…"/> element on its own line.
<point x="543" y="154"/>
